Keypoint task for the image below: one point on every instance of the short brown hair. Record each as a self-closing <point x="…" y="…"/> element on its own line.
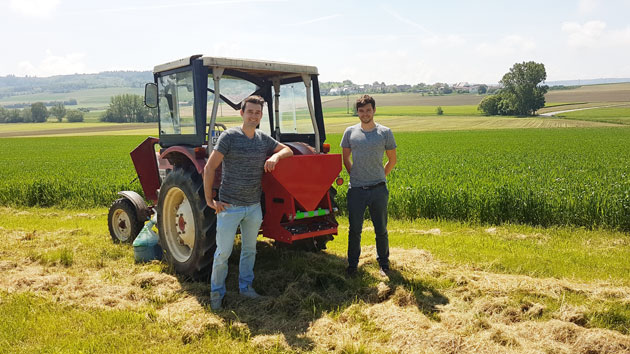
<point x="365" y="100"/>
<point x="255" y="99"/>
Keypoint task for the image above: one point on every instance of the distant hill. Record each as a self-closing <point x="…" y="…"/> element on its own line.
<point x="587" y="82"/>
<point x="13" y="86"/>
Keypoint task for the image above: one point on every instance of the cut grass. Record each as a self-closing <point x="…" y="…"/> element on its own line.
<point x="309" y="305"/>
<point x="38" y="325"/>
<point x="558" y="252"/>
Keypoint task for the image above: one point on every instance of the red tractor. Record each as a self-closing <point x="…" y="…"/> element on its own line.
<point x="196" y="99"/>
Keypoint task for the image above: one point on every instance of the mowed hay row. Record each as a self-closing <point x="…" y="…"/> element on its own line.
<point x="426" y="306"/>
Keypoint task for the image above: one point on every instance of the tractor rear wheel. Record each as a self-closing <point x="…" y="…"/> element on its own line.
<point x="186" y="224"/>
<point x="123" y="222"/>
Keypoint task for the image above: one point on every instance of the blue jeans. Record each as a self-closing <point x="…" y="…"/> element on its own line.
<point x="375" y="200"/>
<point x="249" y="218"/>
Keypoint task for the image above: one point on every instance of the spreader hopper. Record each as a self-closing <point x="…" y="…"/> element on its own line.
<point x="297" y="199"/>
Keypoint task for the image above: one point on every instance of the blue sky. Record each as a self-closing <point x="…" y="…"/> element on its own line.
<point x="364" y="41"/>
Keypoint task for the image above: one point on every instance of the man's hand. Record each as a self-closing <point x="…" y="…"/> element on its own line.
<point x="280" y="152"/>
<point x="271" y="162"/>
<point x="218" y="206"/>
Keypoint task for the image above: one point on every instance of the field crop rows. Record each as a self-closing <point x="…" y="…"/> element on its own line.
<point x="578" y="177"/>
<point x="66" y="171"/>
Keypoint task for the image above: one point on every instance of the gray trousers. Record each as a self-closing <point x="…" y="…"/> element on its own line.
<point x="375" y="199"/>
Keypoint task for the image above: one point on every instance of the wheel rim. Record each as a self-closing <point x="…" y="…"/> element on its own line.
<point x="121" y="223"/>
<point x="178" y="224"/>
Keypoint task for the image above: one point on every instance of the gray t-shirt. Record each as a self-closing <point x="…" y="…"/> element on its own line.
<point x="243" y="165"/>
<point x="367" y="153"/>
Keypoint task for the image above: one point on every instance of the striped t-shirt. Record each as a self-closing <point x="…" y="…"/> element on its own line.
<point x="243" y="165"/>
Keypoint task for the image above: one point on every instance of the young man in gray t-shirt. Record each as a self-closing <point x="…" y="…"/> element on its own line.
<point x="366" y="142"/>
<point x="243" y="152"/>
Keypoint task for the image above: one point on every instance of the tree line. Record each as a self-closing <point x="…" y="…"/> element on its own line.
<point x="69" y="102"/>
<point x="129" y="108"/>
<point x="347" y="87"/>
<point x="125" y="108"/>
<point x="39" y="113"/>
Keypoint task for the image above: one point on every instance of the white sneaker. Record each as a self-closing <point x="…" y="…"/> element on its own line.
<point x="249" y="292"/>
<point x="215" y="301"/>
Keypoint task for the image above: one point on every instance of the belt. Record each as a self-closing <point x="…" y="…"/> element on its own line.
<point x="373" y="186"/>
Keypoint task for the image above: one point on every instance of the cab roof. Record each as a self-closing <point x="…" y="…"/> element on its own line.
<point x="257" y="68"/>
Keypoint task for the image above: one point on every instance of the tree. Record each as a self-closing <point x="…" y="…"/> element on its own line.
<point x="490" y="105"/>
<point x="482" y="89"/>
<point x="439" y="111"/>
<point x="39" y="113"/>
<point x="26" y="115"/>
<point x="74" y="115"/>
<point x="127" y="108"/>
<point x="522" y="90"/>
<point x="59" y="111"/>
<point x="14" y="116"/>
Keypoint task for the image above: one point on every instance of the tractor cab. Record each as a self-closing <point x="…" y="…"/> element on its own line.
<point x="198" y="97"/>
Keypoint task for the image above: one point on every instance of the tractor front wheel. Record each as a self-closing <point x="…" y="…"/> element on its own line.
<point x="123" y="222"/>
<point x="186" y="224"/>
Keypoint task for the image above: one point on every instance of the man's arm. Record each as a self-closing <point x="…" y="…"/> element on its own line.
<point x="391" y="161"/>
<point x="347" y="162"/>
<point x="280" y="152"/>
<point x="208" y="180"/>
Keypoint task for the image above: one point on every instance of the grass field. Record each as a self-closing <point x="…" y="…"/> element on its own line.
<point x="617" y="115"/>
<point x="470" y="272"/>
<point x="534" y="176"/>
<point x="66" y="286"/>
<point x="89" y="98"/>
<point x="399" y="118"/>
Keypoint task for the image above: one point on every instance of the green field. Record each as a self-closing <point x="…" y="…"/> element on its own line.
<point x="88" y="98"/>
<point x="535" y="176"/>
<point x="473" y="270"/>
<point x="617" y="115"/>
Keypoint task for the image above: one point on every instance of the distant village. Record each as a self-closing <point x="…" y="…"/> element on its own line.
<point x="347" y="87"/>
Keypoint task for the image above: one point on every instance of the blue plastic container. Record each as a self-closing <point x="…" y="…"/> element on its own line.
<point x="145" y="246"/>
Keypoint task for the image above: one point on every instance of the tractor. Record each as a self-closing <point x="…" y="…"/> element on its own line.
<point x="199" y="97"/>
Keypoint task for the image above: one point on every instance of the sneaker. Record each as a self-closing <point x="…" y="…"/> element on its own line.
<point x="384" y="272"/>
<point x="249" y="292"/>
<point x="215" y="301"/>
<point x="352" y="272"/>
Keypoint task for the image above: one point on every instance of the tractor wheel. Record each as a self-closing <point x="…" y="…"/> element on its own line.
<point x="186" y="224"/>
<point x="123" y="222"/>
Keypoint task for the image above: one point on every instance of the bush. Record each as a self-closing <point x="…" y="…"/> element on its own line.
<point x="74" y="116"/>
<point x="439" y="111"/>
<point x="489" y="106"/>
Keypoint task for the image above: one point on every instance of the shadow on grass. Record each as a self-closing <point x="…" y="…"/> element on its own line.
<point x="299" y="287"/>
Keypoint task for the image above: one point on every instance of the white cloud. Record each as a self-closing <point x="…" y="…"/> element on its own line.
<point x="54" y="65"/>
<point x="450" y="40"/>
<point x="400" y="67"/>
<point x="35" y="8"/>
<point x="319" y="19"/>
<point x="587" y="6"/>
<point x="508" y="45"/>
<point x="407" y="21"/>
<point x="593" y="34"/>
